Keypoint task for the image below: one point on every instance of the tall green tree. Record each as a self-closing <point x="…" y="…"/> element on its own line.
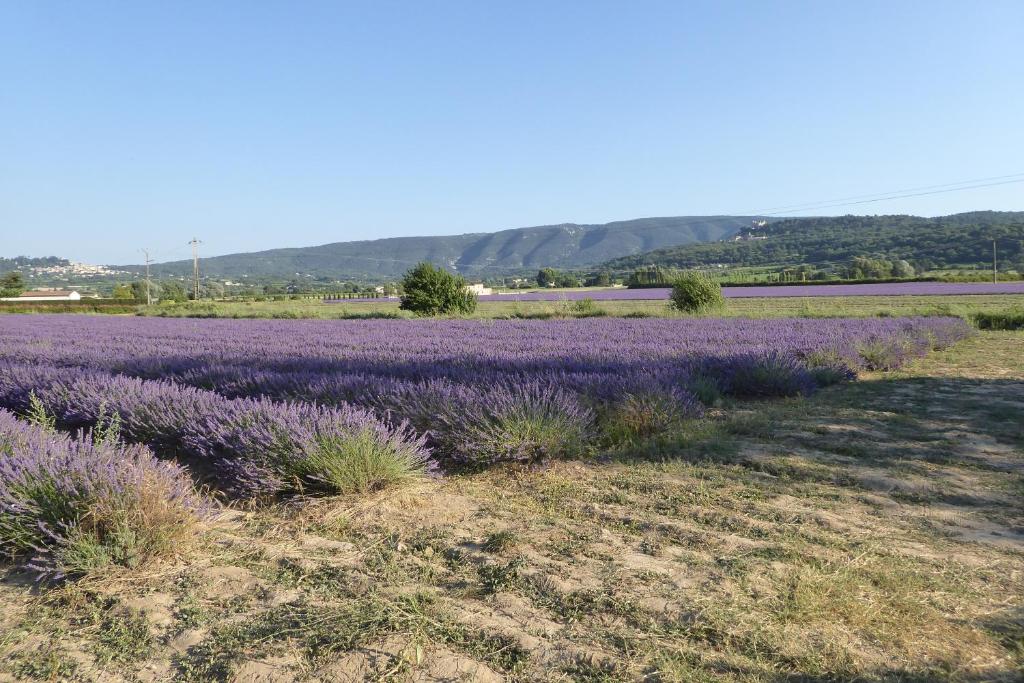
<point x="547" y="277"/>
<point x="172" y="290"/>
<point x="11" y="284"/>
<point x="429" y="290"/>
<point x="123" y="291"/>
<point x="139" y="291"/>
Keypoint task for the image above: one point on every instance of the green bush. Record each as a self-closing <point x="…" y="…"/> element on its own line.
<point x="696" y="293"/>
<point x="434" y="291"/>
<point x="584" y="308"/>
<point x="1002" y="320"/>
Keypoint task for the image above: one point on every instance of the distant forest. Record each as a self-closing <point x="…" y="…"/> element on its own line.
<point x="960" y="240"/>
<point x="19" y="262"/>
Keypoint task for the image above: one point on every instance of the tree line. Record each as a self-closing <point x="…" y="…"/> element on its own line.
<point x="960" y="241"/>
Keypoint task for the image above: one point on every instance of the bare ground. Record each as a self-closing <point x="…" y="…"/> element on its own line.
<point x="872" y="532"/>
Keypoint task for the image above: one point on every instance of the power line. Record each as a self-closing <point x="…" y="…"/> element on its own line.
<point x="881" y="196"/>
<point x="902" y="196"/>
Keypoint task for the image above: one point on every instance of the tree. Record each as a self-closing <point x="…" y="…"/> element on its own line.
<point x="429" y="290"/>
<point x="566" y="280"/>
<point x="652" y="276"/>
<point x="602" y="279"/>
<point x="902" y="269"/>
<point x="139" y="291"/>
<point x="171" y="290"/>
<point x="12" y="284"/>
<point x="124" y="291"/>
<point x="211" y="289"/>
<point x="547" y="277"/>
<point x="695" y="292"/>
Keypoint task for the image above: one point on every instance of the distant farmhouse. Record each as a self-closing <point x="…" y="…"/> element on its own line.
<point x="479" y="289"/>
<point x="46" y="295"/>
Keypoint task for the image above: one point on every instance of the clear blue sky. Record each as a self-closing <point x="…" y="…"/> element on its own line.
<point x="254" y="125"/>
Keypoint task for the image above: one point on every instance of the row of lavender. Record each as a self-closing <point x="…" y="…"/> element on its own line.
<point x="158" y="348"/>
<point x="478" y="391"/>
<point x="246" y="446"/>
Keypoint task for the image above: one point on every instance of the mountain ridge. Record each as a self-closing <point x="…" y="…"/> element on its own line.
<point x="475" y="255"/>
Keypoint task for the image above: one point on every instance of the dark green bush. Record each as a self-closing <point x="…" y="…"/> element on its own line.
<point x="434" y="291"/>
<point x="585" y="308"/>
<point x="694" y="292"/>
<point x="1001" y="320"/>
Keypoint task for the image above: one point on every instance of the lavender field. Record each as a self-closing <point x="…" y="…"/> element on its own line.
<point x="271" y="407"/>
<point x="775" y="291"/>
<point x="331" y="500"/>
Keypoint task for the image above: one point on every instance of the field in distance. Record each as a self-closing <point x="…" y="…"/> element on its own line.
<point x="963" y="305"/>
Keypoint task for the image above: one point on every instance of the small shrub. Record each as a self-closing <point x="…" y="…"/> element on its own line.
<point x="496" y="578"/>
<point x="1002" y="320"/>
<point x="695" y="292"/>
<point x="758" y="375"/>
<point x="828" y="367"/>
<point x="706" y="389"/>
<point x="363" y="461"/>
<point x="644" y="415"/>
<point x="773" y="374"/>
<point x="883" y="353"/>
<point x="515" y="422"/>
<point x="74" y="505"/>
<point x="585" y="308"/>
<point x="499" y="541"/>
<point x="108" y="427"/>
<point x="827" y="375"/>
<point x="37" y="414"/>
<point x="124" y="638"/>
<point x="429" y="290"/>
<point x="45" y="664"/>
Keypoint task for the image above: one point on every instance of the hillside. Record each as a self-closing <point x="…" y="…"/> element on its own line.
<point x="25" y="263"/>
<point x="959" y="240"/>
<point x="475" y="255"/>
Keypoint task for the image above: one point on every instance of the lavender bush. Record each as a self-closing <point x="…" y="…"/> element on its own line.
<point x="252" y="446"/>
<point x="70" y="505"/>
<point x="516" y="422"/>
<point x="267" y="447"/>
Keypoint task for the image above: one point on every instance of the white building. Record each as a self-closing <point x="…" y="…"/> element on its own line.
<point x="479" y="289"/>
<point x="46" y="295"/>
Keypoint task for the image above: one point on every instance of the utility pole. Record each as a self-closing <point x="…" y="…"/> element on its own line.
<point x="195" y="268"/>
<point x="149" y="298"/>
<point x="995" y="278"/>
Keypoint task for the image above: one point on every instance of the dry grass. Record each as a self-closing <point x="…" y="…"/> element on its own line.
<point x="872" y="532"/>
